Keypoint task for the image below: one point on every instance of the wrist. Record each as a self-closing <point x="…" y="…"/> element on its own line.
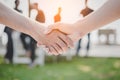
<point x="80" y="28"/>
<point x="36" y="31"/>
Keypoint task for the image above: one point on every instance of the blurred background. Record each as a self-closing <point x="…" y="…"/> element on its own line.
<point x="95" y="57"/>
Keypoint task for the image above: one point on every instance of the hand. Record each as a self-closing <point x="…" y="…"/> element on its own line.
<point x="63" y="27"/>
<point x="55" y="41"/>
<point x="69" y="29"/>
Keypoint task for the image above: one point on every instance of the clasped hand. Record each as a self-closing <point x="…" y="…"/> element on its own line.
<point x="59" y="37"/>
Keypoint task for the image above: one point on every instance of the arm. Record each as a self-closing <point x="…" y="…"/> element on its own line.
<point x="106" y="14"/>
<point x="13" y="19"/>
<point x="58" y="41"/>
<point x="17" y="21"/>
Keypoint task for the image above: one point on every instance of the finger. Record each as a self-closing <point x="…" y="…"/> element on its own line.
<point x="43" y="46"/>
<point x="39" y="44"/>
<point x="67" y="40"/>
<point x="52" y="50"/>
<point x="58" y="48"/>
<point x="47" y="50"/>
<point x="62" y="45"/>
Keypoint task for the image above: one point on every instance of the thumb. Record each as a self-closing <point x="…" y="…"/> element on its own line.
<point x="49" y="29"/>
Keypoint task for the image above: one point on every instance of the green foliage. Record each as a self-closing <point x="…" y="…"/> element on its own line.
<point x="77" y="69"/>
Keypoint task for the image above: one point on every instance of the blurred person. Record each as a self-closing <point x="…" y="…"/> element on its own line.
<point x="57" y="17"/>
<point x="10" y="48"/>
<point x="86" y="11"/>
<point x="31" y="45"/>
<point x="40" y="17"/>
<point x="108" y="13"/>
<point x="40" y="14"/>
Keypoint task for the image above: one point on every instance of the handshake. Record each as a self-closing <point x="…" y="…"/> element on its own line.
<point x="57" y="38"/>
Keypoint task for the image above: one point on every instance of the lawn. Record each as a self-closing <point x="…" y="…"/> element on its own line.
<point x="77" y="69"/>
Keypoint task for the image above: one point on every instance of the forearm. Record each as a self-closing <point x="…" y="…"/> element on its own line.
<point x="18" y="22"/>
<point x="12" y="19"/>
<point x="107" y="13"/>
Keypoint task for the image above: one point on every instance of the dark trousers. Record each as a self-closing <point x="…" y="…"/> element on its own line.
<point x="29" y="46"/>
<point x="9" y="48"/>
<point x="79" y="44"/>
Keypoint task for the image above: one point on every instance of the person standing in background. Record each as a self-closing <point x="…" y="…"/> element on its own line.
<point x="10" y="48"/>
<point x="86" y="11"/>
<point x="30" y="46"/>
<point x="57" y="17"/>
<point x="40" y="15"/>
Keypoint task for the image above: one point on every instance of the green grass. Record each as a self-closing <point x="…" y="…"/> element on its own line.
<point x="77" y="69"/>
